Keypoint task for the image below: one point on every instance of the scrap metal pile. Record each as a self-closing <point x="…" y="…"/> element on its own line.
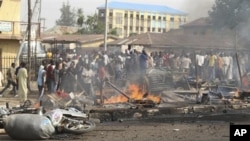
<point x="68" y="112"/>
<point x="43" y="124"/>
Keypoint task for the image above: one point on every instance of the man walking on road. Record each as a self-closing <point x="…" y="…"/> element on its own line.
<point x="11" y="77"/>
<point x="22" y="76"/>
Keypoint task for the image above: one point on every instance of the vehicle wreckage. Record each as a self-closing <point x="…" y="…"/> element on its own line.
<point x="68" y="112"/>
<point x="43" y="124"/>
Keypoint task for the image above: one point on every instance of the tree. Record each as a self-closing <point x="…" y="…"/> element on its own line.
<point x="81" y="18"/>
<point x="132" y="34"/>
<point x="92" y="26"/>
<point x="230" y="13"/>
<point x="113" y="32"/>
<point x="91" y="22"/>
<point x="67" y="17"/>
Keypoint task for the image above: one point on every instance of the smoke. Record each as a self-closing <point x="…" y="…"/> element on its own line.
<point x="243" y="20"/>
<point x="197" y="8"/>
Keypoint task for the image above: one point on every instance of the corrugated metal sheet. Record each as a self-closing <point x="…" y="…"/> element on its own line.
<point x="143" y="7"/>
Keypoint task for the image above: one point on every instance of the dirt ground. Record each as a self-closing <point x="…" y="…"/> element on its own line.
<point x="208" y="128"/>
<point x="182" y="127"/>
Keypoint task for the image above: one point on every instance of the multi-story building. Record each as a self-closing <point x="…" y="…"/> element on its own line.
<point x="9" y="32"/>
<point x="133" y="18"/>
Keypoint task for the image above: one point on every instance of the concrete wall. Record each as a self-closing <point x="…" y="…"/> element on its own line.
<point x="96" y="43"/>
<point x="10" y="12"/>
<point x="9" y="48"/>
<point x="9" y="40"/>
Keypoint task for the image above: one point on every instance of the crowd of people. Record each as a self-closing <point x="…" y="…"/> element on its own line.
<point x="207" y="66"/>
<point x="17" y="77"/>
<point x="88" y="71"/>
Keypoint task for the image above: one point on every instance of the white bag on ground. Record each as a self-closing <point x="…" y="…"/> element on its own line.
<point x="28" y="127"/>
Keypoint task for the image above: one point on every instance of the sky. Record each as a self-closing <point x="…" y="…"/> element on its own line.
<point x="51" y="8"/>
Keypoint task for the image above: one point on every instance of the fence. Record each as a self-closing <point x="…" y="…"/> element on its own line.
<point x="5" y="64"/>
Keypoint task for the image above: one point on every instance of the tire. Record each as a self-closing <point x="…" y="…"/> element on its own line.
<point x="27" y="104"/>
<point x="79" y="128"/>
<point x="205" y="99"/>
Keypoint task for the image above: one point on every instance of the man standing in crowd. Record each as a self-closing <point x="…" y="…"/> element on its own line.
<point x="50" y="77"/>
<point x="143" y="61"/>
<point x="185" y="64"/>
<point x="41" y="78"/>
<point x="211" y="66"/>
<point x="11" y="77"/>
<point x="22" y="76"/>
<point x="200" y="59"/>
<point x="88" y="75"/>
<point x="16" y="71"/>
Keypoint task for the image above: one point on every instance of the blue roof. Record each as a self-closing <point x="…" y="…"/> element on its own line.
<point x="143" y="7"/>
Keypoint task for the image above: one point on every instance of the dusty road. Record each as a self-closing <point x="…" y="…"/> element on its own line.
<point x="182" y="127"/>
<point x="170" y="128"/>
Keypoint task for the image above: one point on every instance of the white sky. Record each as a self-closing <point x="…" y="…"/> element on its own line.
<point x="51" y="8"/>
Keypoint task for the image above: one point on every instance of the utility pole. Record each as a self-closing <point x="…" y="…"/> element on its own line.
<point x="43" y="27"/>
<point x="106" y="24"/>
<point x="29" y="34"/>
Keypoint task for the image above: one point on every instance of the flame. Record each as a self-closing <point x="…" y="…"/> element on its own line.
<point x="36" y="105"/>
<point x="237" y="93"/>
<point x="135" y="93"/>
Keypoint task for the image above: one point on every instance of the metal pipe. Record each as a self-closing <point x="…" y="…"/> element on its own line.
<point x="113" y="86"/>
<point x="106" y="24"/>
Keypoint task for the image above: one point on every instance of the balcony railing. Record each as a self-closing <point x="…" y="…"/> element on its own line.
<point x="10" y="29"/>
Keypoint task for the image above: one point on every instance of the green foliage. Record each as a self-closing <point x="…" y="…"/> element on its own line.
<point x="92" y="26"/>
<point x="88" y="25"/>
<point x="113" y="32"/>
<point x="81" y="18"/>
<point x="132" y="34"/>
<point x="230" y="13"/>
<point x="67" y="17"/>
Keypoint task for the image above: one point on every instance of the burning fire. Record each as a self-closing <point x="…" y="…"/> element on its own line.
<point x="134" y="93"/>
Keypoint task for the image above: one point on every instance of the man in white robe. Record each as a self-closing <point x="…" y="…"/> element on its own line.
<point x="22" y="76"/>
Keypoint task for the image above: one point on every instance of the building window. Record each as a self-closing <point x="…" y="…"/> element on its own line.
<point x="159" y="24"/>
<point x="131" y="28"/>
<point x="153" y="29"/>
<point x="1" y="1"/>
<point x="163" y="24"/>
<point x="119" y="17"/>
<point x="119" y="31"/>
<point x="142" y="29"/>
<point x="164" y="30"/>
<point x="137" y="17"/>
<point x="142" y="16"/>
<point x="149" y="17"/>
<point x="164" y="18"/>
<point x="153" y="17"/>
<point x="180" y="20"/>
<point x="171" y="25"/>
<point x="110" y="26"/>
<point x="159" y="18"/>
<point x="125" y="27"/>
<point x="102" y="14"/>
<point x="125" y="15"/>
<point x="148" y="29"/>
<point x="110" y="14"/>
<point x="159" y="29"/>
<point x="131" y="15"/>
<point x="172" y="19"/>
<point x="137" y="28"/>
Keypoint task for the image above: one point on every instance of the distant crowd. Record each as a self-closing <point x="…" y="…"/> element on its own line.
<point x="86" y="71"/>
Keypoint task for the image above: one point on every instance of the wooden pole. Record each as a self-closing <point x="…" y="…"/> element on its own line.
<point x="106" y="25"/>
<point x="237" y="58"/>
<point x="29" y="36"/>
